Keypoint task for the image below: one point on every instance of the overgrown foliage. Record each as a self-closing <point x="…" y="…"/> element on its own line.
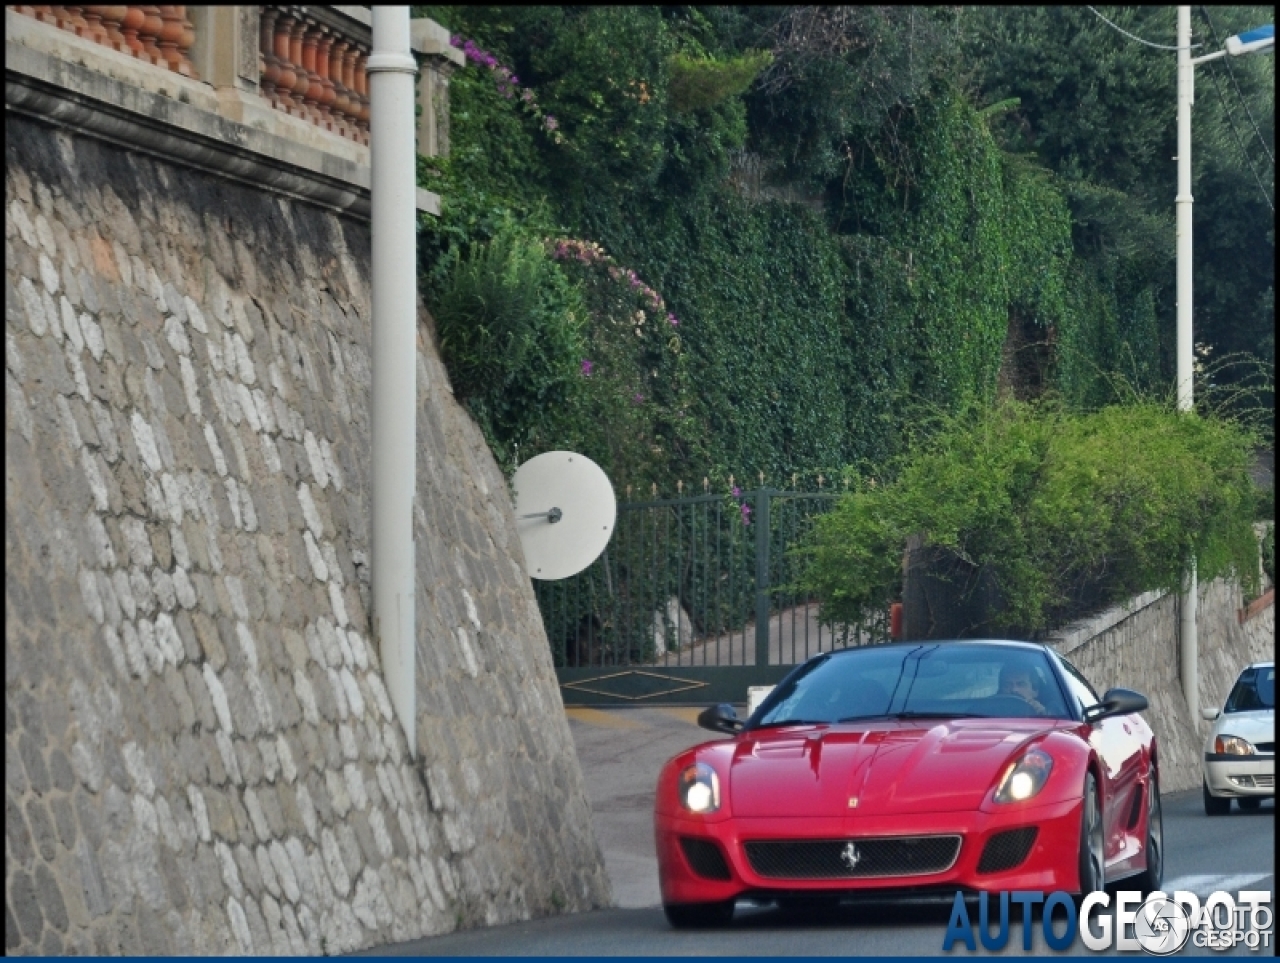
<point x="1063" y="510"/>
<point x="855" y="215"/>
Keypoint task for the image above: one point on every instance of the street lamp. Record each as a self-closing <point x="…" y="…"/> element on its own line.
<point x="1258" y="40"/>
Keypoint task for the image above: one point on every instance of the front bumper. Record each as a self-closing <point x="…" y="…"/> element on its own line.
<point x="1051" y="864"/>
<point x="1240" y="776"/>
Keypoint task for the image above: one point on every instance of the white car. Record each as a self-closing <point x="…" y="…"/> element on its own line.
<point x="1240" y="753"/>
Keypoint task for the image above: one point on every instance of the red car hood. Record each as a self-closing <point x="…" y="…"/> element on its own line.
<point x="889" y="767"/>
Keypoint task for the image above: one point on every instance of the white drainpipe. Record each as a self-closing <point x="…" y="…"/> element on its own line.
<point x="391" y="69"/>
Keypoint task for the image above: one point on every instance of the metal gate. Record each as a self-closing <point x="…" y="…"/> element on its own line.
<point x="692" y="602"/>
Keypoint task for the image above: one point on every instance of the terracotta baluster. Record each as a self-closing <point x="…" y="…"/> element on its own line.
<point x="302" y="80"/>
<point x="73" y="20"/>
<point x="130" y="25"/>
<point x="187" y="41"/>
<point x="167" y="39"/>
<point x="50" y="15"/>
<point x="340" y="96"/>
<point x="350" y="56"/>
<point x="327" y="94"/>
<point x="311" y="96"/>
<point x="149" y="34"/>
<point x="362" y="88"/>
<point x="93" y="24"/>
<point x="288" y="75"/>
<point x="112" y="18"/>
<point x="268" y="64"/>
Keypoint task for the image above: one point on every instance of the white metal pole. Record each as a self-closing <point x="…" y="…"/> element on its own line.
<point x="1188" y="640"/>
<point x="391" y="69"/>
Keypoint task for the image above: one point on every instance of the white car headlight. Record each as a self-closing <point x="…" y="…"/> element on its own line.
<point x="1233" y="746"/>
<point x="1025" y="778"/>
<point x="699" y="789"/>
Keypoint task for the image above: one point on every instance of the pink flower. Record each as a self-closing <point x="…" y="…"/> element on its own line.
<point x="586" y="367"/>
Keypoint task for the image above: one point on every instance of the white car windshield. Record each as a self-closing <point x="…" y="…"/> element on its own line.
<point x="1254" y="690"/>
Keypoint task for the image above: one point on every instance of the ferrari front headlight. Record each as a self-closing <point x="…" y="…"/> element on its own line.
<point x="699" y="789"/>
<point x="1026" y="777"/>
<point x="1233" y="746"/>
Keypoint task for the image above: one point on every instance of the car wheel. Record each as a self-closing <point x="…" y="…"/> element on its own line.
<point x="1213" y="806"/>
<point x="1249" y="804"/>
<point x="1153" y="875"/>
<point x="1093" y="873"/>
<point x="685" y="916"/>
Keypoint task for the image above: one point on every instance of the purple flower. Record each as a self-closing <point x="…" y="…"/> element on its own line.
<point x="550" y="122"/>
<point x="638" y="399"/>
<point x="746" y="514"/>
<point x="675" y="322"/>
<point x="736" y="491"/>
<point x="586" y="367"/>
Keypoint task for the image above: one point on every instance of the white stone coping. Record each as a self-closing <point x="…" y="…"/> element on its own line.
<point x="1071" y="637"/>
<point x="68" y="81"/>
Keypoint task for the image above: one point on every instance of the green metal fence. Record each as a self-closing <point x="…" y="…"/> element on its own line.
<point x="692" y="601"/>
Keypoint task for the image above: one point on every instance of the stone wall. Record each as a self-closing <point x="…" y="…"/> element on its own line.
<point x="1137" y="647"/>
<point x="200" y="756"/>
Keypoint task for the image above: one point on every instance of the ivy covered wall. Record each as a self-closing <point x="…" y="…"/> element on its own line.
<point x="769" y="240"/>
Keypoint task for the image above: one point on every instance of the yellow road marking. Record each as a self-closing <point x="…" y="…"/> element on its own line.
<point x="683" y="713"/>
<point x="598" y="717"/>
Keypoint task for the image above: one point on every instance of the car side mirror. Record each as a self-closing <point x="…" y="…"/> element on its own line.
<point x="720" y="718"/>
<point x="1117" y="702"/>
<point x="1209" y="715"/>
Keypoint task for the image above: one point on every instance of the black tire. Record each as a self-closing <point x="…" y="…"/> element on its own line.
<point x="1214" y="806"/>
<point x="1092" y="860"/>
<point x="689" y="916"/>
<point x="1150" y="879"/>
<point x="1249" y="803"/>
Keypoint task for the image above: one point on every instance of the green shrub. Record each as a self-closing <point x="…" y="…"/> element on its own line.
<point x="701" y="82"/>
<point x="510" y="328"/>
<point x="1065" y="511"/>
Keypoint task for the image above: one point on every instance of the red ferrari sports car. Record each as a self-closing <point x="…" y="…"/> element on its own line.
<point x="910" y="768"/>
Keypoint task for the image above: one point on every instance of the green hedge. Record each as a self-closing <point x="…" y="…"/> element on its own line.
<point x="1065" y="511"/>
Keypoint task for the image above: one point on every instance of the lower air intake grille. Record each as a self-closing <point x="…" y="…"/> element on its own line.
<point x="1265" y="782"/>
<point x="705" y="858"/>
<point x="1006" y="850"/>
<point x="853" y="858"/>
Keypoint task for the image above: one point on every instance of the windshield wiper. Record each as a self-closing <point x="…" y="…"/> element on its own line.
<point x="793" y="722"/>
<point x="935" y="715"/>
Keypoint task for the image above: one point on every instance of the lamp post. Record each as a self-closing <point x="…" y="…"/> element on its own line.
<point x="393" y="156"/>
<point x="1259" y="40"/>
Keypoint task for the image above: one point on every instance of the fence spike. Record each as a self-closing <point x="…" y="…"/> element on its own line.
<point x="762" y="479"/>
<point x="820" y="481"/>
<point x="680" y="487"/>
<point x="706" y="484"/>
<point x="654" y="489"/>
<point x="793" y="479"/>
<point x="731" y="482"/>
<point x="628" y="493"/>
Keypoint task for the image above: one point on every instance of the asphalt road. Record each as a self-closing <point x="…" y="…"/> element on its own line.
<point x="621" y="752"/>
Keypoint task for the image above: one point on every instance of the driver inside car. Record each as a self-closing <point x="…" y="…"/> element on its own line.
<point x="1019" y="681"/>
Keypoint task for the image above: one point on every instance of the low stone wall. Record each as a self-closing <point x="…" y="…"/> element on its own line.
<point x="200" y="756"/>
<point x="1136" y="646"/>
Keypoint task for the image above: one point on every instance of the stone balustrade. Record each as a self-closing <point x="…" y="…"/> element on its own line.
<point x="305" y="61"/>
<point x="158" y="35"/>
<point x="315" y="69"/>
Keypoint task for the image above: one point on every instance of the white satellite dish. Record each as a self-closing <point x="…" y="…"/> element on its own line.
<point x="565" y="512"/>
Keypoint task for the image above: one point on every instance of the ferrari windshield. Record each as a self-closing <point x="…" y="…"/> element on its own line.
<point x="1255" y="689"/>
<point x="946" y="680"/>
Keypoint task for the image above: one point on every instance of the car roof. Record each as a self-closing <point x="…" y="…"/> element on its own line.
<point x="1012" y="643"/>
